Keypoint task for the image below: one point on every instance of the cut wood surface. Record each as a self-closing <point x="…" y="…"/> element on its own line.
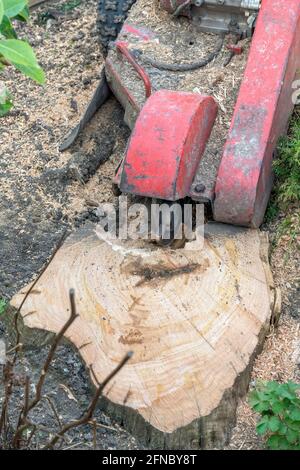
<point x="194" y="317"/>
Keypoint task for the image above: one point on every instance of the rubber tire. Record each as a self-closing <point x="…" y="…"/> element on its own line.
<point x="111" y="16"/>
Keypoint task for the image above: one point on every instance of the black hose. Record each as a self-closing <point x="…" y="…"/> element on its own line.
<point x="186" y="67"/>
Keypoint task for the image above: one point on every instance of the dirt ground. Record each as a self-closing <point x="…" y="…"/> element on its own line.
<point x="40" y="194"/>
<point x="41" y="197"/>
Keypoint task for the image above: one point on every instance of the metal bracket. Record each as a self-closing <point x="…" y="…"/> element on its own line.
<point x="218" y="16"/>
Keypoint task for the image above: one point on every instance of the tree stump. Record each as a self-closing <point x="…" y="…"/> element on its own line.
<point x="194" y="318"/>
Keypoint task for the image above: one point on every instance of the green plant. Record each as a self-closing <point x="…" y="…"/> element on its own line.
<point x="14" y="51"/>
<point x="287" y="164"/>
<point x="2" y="306"/>
<point x="286" y="167"/>
<point x="279" y="407"/>
<point x="272" y="210"/>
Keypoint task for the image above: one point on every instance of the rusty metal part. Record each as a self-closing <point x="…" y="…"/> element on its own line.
<point x="123" y="48"/>
<point x="167" y="229"/>
<point x="217" y="16"/>
<point x="234" y="49"/>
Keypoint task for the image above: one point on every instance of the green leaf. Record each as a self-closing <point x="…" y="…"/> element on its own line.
<point x="1" y="10"/>
<point x="6" y="28"/>
<point x="293" y="387"/>
<point x="292" y="436"/>
<point x="13" y="8"/>
<point x="294" y="425"/>
<point x="285" y="393"/>
<point x="295" y="414"/>
<point x="282" y="429"/>
<point x="20" y="54"/>
<point x="283" y="443"/>
<point x="24" y="15"/>
<point x="273" y="442"/>
<point x="274" y="423"/>
<point x="277" y="407"/>
<point x="272" y="386"/>
<point x="36" y="73"/>
<point x="4" y="109"/>
<point x="262" y="406"/>
<point x="263" y="425"/>
<point x="5" y="105"/>
<point x="254" y="398"/>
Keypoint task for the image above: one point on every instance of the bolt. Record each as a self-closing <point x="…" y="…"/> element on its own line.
<point x="200" y="188"/>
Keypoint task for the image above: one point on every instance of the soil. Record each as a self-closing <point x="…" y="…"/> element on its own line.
<point x="42" y="189"/>
<point x="280" y="358"/>
<point x="68" y="389"/>
<point x="44" y="192"/>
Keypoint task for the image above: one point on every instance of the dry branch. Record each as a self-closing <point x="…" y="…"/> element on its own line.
<point x="87" y="416"/>
<point x="24" y="422"/>
<point x="29" y="405"/>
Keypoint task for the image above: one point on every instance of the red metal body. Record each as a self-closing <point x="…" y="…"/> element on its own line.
<point x="172" y="128"/>
<point x="261" y="115"/>
<point x="166" y="144"/>
<point x="122" y="47"/>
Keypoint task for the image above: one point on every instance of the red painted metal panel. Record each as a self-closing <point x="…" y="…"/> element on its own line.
<point x="261" y="114"/>
<point x="122" y="46"/>
<point x="166" y="144"/>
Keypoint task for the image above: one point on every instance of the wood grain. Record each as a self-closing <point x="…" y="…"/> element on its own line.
<point x="195" y="319"/>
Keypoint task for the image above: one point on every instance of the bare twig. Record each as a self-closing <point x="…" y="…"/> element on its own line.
<point x="87" y="416"/>
<point x="104" y="426"/>
<point x="17" y="346"/>
<point x="57" y="339"/>
<point x="22" y="417"/>
<point x="34" y="428"/>
<point x="8" y="381"/>
<point x="74" y="445"/>
<point x="94" y="375"/>
<point x="94" y="424"/>
<point x="29" y="405"/>
<point x="52" y="406"/>
<point x="24" y="423"/>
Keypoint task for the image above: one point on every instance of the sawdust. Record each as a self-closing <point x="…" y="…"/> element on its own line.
<point x="280" y="358"/>
<point x="38" y="200"/>
<point x="30" y="135"/>
<point x="67" y="48"/>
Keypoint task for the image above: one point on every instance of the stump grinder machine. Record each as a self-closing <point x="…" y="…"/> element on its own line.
<point x="207" y="87"/>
